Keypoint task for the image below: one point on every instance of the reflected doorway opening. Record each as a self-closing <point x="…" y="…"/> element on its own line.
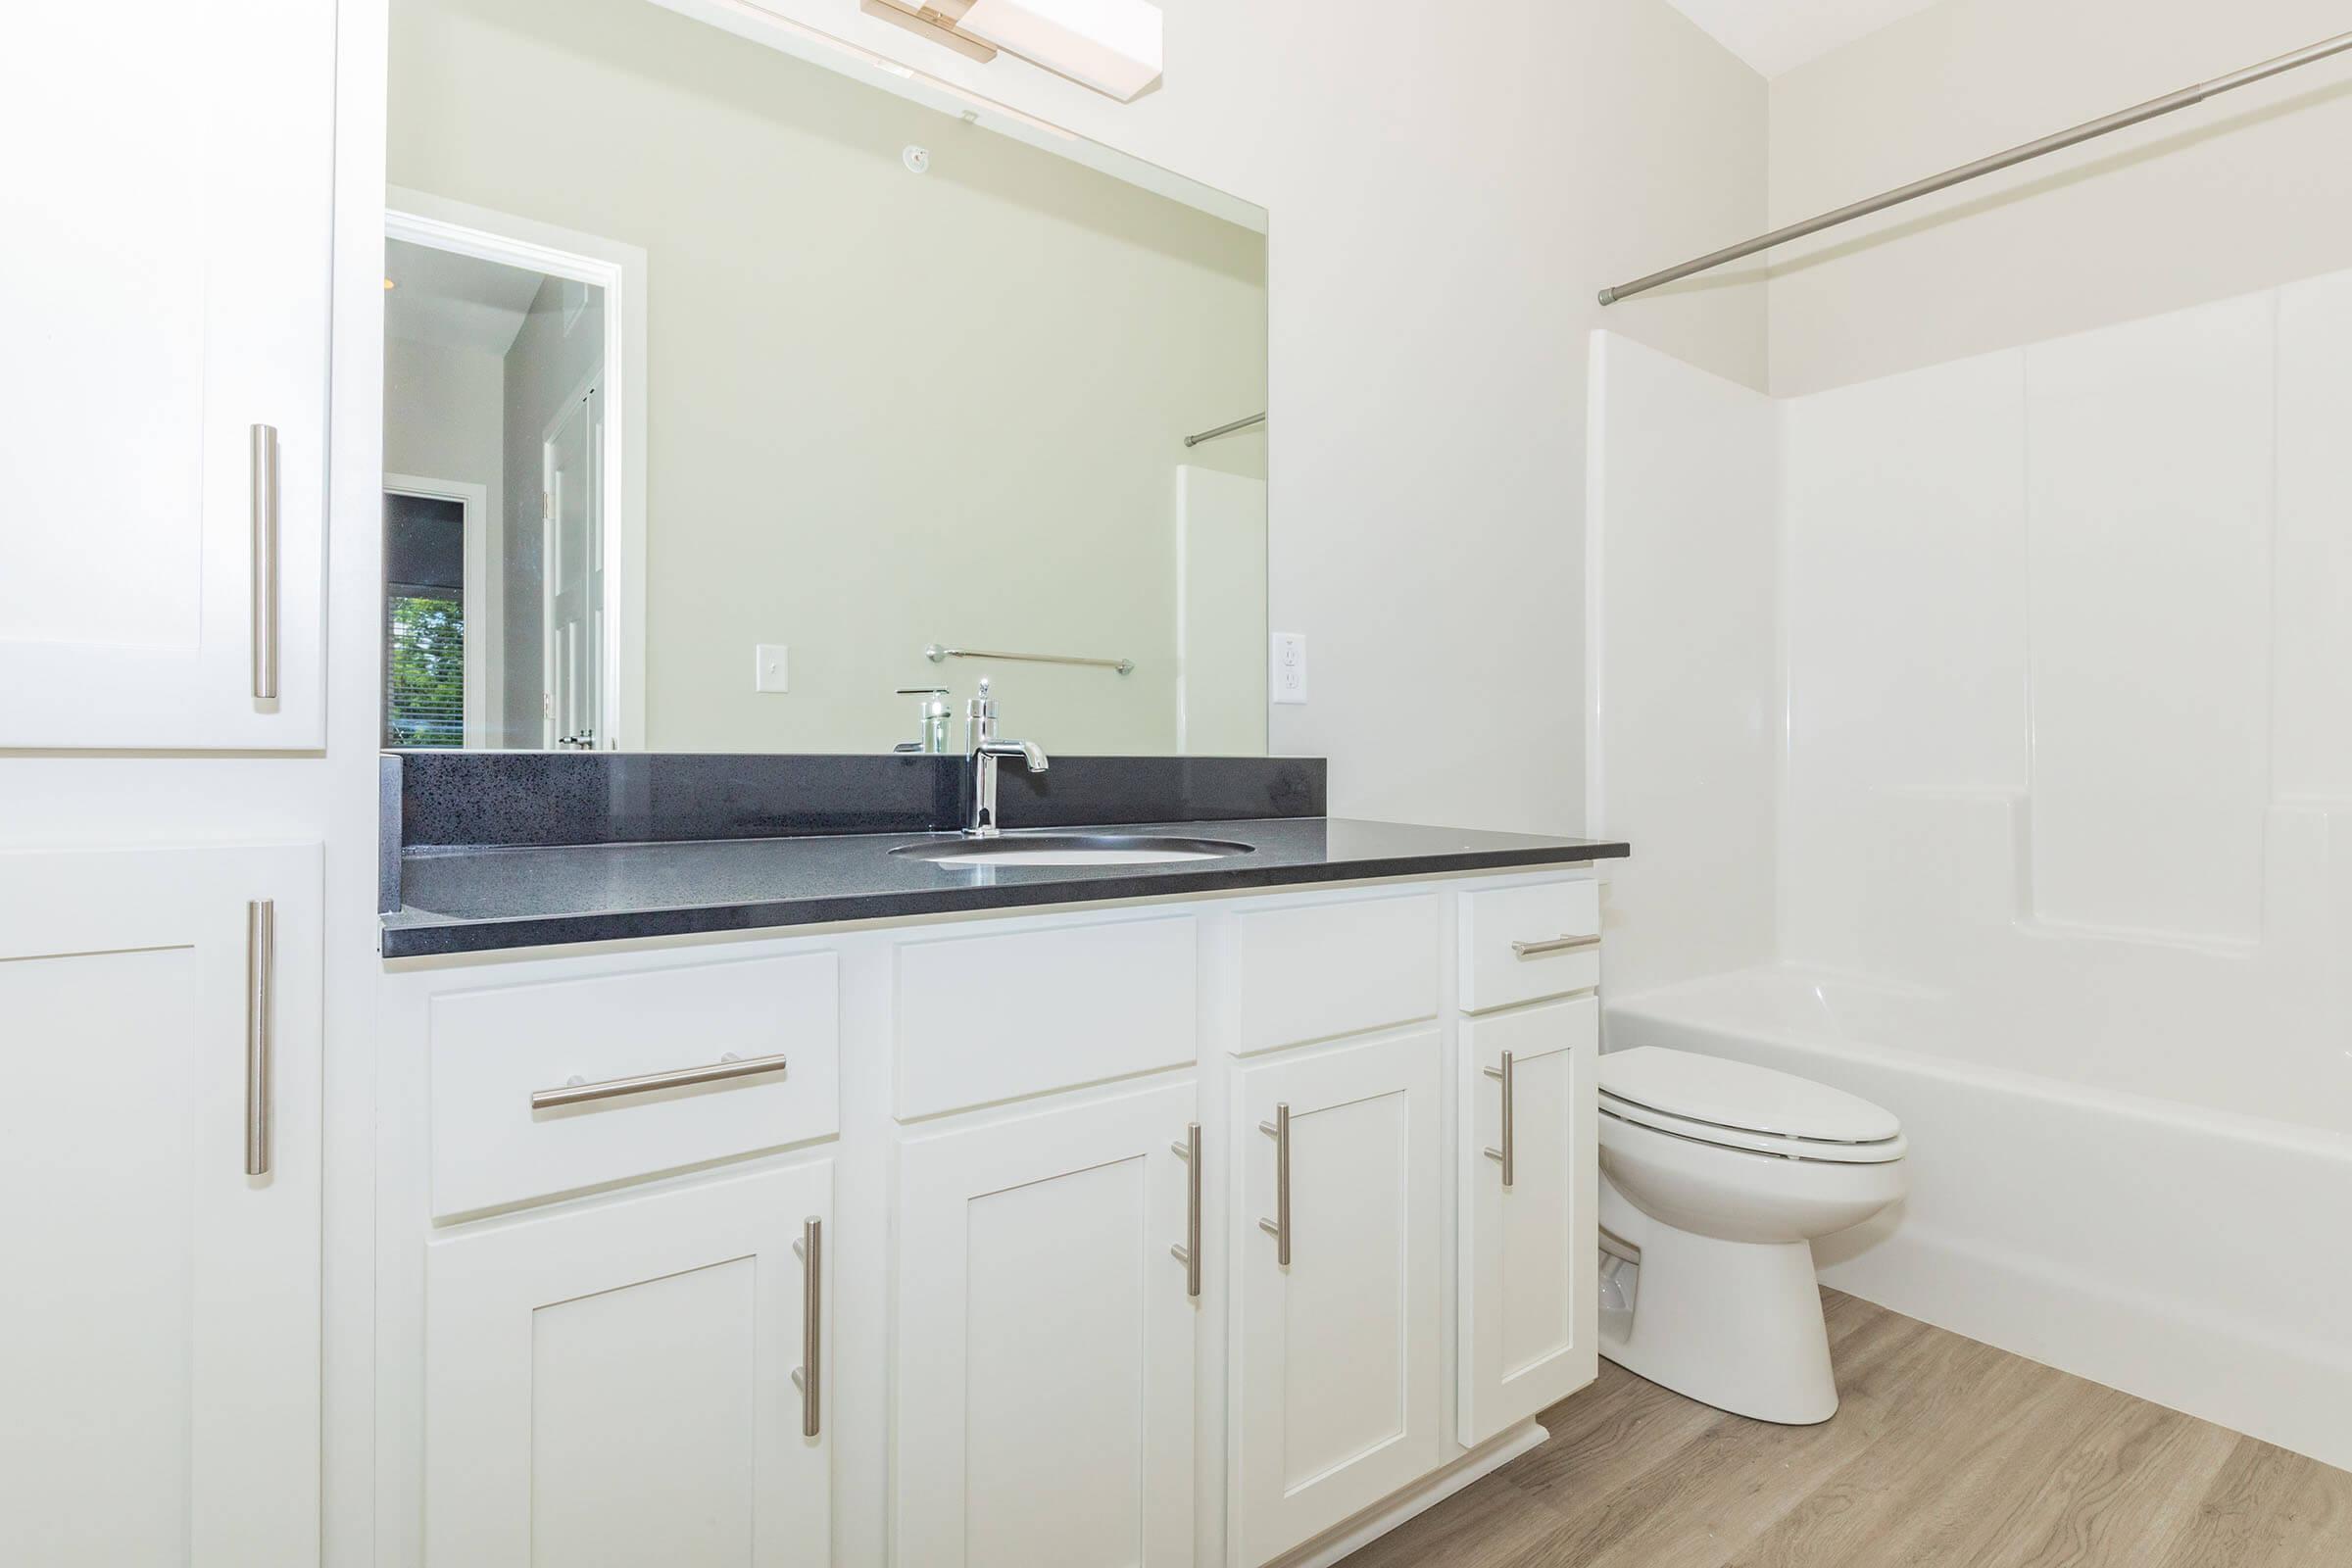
<point x="514" y="583"/>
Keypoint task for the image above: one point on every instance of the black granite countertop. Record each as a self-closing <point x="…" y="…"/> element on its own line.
<point x="481" y="898"/>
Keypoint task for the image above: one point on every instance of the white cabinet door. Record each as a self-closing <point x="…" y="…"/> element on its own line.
<point x="1334" y="1354"/>
<point x="170" y="210"/>
<point x="616" y="1386"/>
<point x="1045" y="1351"/>
<point x="159" y="1306"/>
<point x="1528" y="1307"/>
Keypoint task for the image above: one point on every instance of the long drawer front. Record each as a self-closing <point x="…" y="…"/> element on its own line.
<point x="546" y="1088"/>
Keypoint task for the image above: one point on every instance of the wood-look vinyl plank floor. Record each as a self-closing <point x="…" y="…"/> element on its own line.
<point x="1944" y="1454"/>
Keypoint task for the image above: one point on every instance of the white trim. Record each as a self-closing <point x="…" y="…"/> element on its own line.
<point x="484" y="650"/>
<point x="620" y="271"/>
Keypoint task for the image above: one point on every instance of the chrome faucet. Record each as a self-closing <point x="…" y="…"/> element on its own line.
<point x="981" y="744"/>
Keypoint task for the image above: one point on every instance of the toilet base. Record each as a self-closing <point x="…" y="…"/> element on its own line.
<point x="1737" y="1325"/>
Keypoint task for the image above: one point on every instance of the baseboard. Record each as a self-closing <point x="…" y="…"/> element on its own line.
<point x="1382" y="1517"/>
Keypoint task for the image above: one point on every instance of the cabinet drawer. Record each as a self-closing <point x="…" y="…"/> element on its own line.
<point x="989" y="1018"/>
<point x="1523" y="943"/>
<point x="492" y="1051"/>
<point x="1323" y="970"/>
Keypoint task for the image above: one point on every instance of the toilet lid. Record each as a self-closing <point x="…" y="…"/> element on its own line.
<point x="1736" y="1097"/>
<point x="1624" y="1112"/>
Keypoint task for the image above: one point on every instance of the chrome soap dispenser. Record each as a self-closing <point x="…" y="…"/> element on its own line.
<point x="933" y="724"/>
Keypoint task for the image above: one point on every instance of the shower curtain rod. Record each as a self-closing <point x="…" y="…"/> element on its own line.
<point x="1986" y="165"/>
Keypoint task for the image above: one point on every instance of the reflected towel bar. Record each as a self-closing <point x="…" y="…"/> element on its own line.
<point x="2084" y="132"/>
<point x="1224" y="429"/>
<point x="938" y="651"/>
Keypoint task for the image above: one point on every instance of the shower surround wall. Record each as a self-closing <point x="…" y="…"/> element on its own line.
<point x="2041" y="662"/>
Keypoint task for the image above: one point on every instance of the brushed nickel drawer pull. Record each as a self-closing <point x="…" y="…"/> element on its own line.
<point x="1537" y="950"/>
<point x="260" y="1003"/>
<point x="812" y="1248"/>
<point x="262" y="476"/>
<point x="1509" y="1116"/>
<point x="717" y="1072"/>
<point x="1188" y="1252"/>
<point x="1279" y="1227"/>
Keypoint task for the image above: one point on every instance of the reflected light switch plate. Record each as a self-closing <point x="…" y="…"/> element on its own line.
<point x="773" y="671"/>
<point x="1285" y="667"/>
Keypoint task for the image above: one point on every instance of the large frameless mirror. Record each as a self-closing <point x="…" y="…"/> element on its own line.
<point x="736" y="404"/>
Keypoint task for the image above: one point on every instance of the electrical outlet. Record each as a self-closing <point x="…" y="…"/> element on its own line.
<point x="772" y="668"/>
<point x="1286" y="667"/>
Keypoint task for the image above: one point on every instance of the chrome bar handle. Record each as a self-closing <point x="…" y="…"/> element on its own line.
<point x="1510" y="1116"/>
<point x="576" y="1092"/>
<point x="1279" y="1227"/>
<point x="1537" y="950"/>
<point x="1188" y="1252"/>
<point x="261" y="1005"/>
<point x="261" y="467"/>
<point x="812" y="1249"/>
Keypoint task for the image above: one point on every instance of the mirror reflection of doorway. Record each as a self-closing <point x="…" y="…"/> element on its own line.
<point x="500" y="597"/>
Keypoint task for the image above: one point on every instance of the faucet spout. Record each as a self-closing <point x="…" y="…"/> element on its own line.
<point x="985" y="751"/>
<point x="1032" y="754"/>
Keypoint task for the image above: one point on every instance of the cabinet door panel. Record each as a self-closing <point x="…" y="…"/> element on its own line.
<point x="615" y="1385"/>
<point x="1045" y="1341"/>
<point x="159" y="1330"/>
<point x="1528" y="1311"/>
<point x="170" y="292"/>
<point x="1335" y="1359"/>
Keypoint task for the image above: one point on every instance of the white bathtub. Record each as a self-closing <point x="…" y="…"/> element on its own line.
<point x="2200" y="1259"/>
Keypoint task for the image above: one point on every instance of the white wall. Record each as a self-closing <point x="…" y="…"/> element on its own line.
<point x="441" y="412"/>
<point x="1683" y="705"/>
<point x="2240" y="193"/>
<point x="1450" y="187"/>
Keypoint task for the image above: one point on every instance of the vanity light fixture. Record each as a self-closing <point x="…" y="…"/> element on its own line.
<point x="931" y="22"/>
<point x="1113" y="46"/>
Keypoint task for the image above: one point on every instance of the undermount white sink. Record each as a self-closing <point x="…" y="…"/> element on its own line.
<point x="1074" y="849"/>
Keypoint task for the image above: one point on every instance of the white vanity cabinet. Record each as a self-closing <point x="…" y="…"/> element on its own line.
<point x="1334" y="1240"/>
<point x="1527" y="1151"/>
<point x="1528" y="1309"/>
<point x="639" y="1382"/>
<point x="1047" y="1337"/>
<point x="1058" y="1161"/>
<point x="160" y="1021"/>
<point x="163" y="414"/>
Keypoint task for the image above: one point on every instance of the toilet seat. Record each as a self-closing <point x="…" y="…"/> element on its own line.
<point x="1731" y="1105"/>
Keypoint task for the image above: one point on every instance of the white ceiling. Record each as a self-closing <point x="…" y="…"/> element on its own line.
<point x="1776" y="35"/>
<point x="453" y="301"/>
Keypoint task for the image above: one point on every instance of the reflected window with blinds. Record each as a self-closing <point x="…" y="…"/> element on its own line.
<point x="425" y="620"/>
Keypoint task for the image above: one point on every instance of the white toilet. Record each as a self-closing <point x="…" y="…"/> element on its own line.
<point x="1720" y="1174"/>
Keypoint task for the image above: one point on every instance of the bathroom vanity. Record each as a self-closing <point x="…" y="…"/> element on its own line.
<point x="1085" y="1214"/>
